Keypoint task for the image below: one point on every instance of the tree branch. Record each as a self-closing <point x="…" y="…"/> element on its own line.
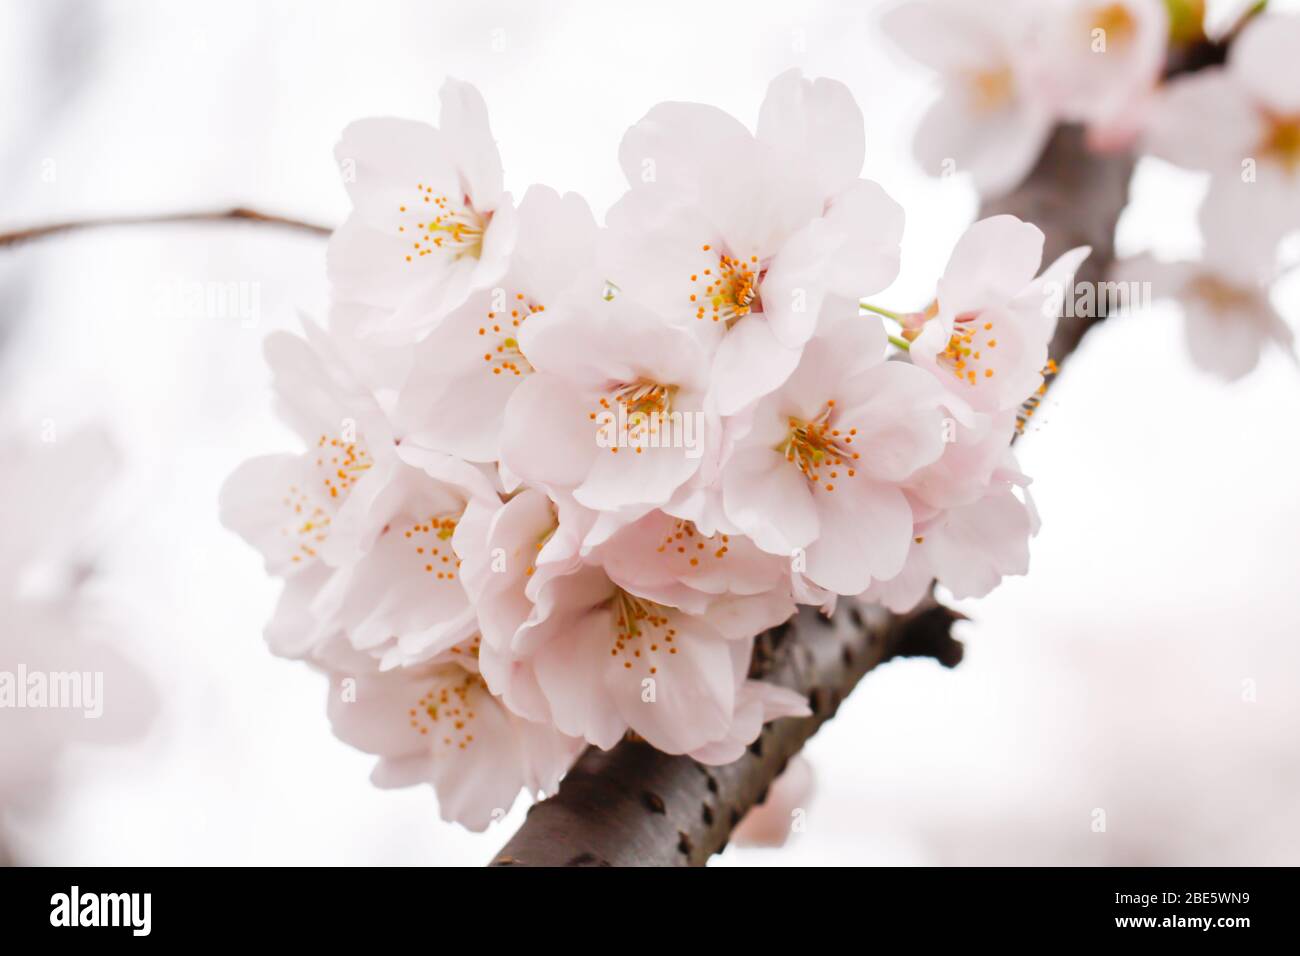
<point x="635" y="806"/>
<point x="237" y="214"/>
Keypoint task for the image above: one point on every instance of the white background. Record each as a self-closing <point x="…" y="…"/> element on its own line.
<point x="1112" y="677"/>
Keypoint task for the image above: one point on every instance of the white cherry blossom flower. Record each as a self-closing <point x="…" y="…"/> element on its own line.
<point x="987" y="334"/>
<point x="991" y="119"/>
<point x="1101" y="61"/>
<point x="1241" y="122"/>
<point x="970" y="548"/>
<point x="614" y="413"/>
<point x="607" y="661"/>
<point x="1225" y="296"/>
<point x="464" y="373"/>
<point x="431" y="222"/>
<point x="439" y="724"/>
<point x="359" y="527"/>
<point x="821" y="468"/>
<point x="742" y="237"/>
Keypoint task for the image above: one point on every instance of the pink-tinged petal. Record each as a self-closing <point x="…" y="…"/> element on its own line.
<point x="461" y="479"/>
<point x="571" y="670"/>
<point x="820" y="119"/>
<point x="678" y="692"/>
<point x="1049" y="290"/>
<point x="384" y="160"/>
<point x="548" y="436"/>
<point x="750" y="362"/>
<point x="996" y="147"/>
<point x="465" y="373"/>
<point x="1206" y="120"/>
<point x="547" y="755"/>
<point x="591" y="344"/>
<point x="515" y="683"/>
<point x="655" y="241"/>
<point x="949" y="37"/>
<point x="320" y="386"/>
<point x="468" y="138"/>
<point x="1264" y="58"/>
<point x="993" y="261"/>
<point x="769" y="499"/>
<point x="293" y="630"/>
<point x="500" y="550"/>
<point x="630" y="476"/>
<point x="869" y="223"/>
<point x="366" y="711"/>
<point x="556" y="247"/>
<point x="866" y="529"/>
<point x="851" y="252"/>
<point x="741" y="617"/>
<point x="906" y="589"/>
<point x="846" y="347"/>
<point x="478" y="784"/>
<point x="790" y="198"/>
<point x="962" y="473"/>
<point x="258" y="502"/>
<point x="757" y="703"/>
<point x="669" y="143"/>
<point x="1226" y="342"/>
<point x="671" y="561"/>
<point x="1091" y="72"/>
<point x="441" y="719"/>
<point x="559" y="602"/>
<point x="973" y="547"/>
<point x="891" y="414"/>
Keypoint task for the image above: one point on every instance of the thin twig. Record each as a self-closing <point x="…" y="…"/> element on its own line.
<point x="237" y="214"/>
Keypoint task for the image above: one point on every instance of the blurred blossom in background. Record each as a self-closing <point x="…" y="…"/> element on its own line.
<point x="1133" y="700"/>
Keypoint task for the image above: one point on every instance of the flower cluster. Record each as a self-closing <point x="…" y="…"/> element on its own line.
<point x="557" y="477"/>
<point x="1012" y="69"/>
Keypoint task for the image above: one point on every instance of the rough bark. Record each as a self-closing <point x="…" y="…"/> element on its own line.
<point x="634" y="806"/>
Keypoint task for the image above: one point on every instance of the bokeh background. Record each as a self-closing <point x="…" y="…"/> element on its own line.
<point x="1149" y="665"/>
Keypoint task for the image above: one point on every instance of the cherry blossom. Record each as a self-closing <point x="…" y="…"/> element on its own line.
<point x="614" y="413"/>
<point x="359" y="527"/>
<point x="1225" y="298"/>
<point x="1101" y="62"/>
<point x="821" y="466"/>
<point x="986" y="335"/>
<point x="692" y="240"/>
<point x="438" y="724"/>
<point x="968" y="548"/>
<point x="430" y="223"/>
<point x="991" y="119"/>
<point x="607" y="661"/>
<point x="1241" y="122"/>
<point x="464" y="373"/>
